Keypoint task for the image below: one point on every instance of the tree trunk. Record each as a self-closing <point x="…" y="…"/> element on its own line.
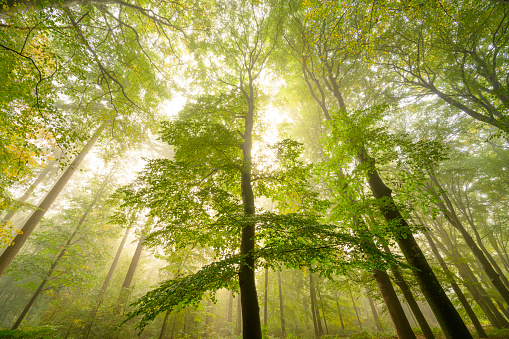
<point x="265" y="303"/>
<point x="409" y="297"/>
<point x="311" y="294"/>
<point x="398" y="317"/>
<point x="375" y="315"/>
<point x="314" y="303"/>
<point x="453" y="219"/>
<point x="355" y="309"/>
<point x="163" y="328"/>
<point x="323" y="308"/>
<point x="457" y="290"/>
<point x="60" y="255"/>
<point x="230" y="308"/>
<point x="207" y="320"/>
<point x="469" y="280"/>
<point x="464" y="207"/>
<point x="239" y="315"/>
<point x="340" y="316"/>
<point x="107" y="282"/>
<point x="250" y="308"/>
<point x="32" y="188"/>
<point x="32" y="222"/>
<point x="130" y="272"/>
<point x="115" y="261"/>
<point x="281" y="315"/>
<point x="450" y="321"/>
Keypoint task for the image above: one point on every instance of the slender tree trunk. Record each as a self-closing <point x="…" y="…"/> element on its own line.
<point x="265" y="301"/>
<point x="456" y="288"/>
<point x="311" y="294"/>
<point x="173" y="327"/>
<point x="450" y="321"/>
<point x="315" y="304"/>
<point x="115" y="261"/>
<point x="469" y="280"/>
<point x="409" y="297"/>
<point x="503" y="258"/>
<point x="31" y="301"/>
<point x="163" y="328"/>
<point x="32" y="222"/>
<point x="229" y="317"/>
<point x="281" y="315"/>
<point x="323" y="308"/>
<point x="355" y="309"/>
<point x="453" y="219"/>
<point x="107" y="282"/>
<point x="130" y="272"/>
<point x="239" y="314"/>
<point x="60" y="255"/>
<point x="399" y="319"/>
<point x="375" y="315"/>
<point x="464" y="207"/>
<point x="32" y="188"/>
<point x="207" y="320"/>
<point x="340" y="316"/>
<point x="488" y="255"/>
<point x="250" y="308"/>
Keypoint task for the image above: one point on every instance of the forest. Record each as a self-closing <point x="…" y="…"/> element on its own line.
<point x="254" y="169"/>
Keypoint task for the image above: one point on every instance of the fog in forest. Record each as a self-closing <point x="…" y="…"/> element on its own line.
<point x="254" y="169"/>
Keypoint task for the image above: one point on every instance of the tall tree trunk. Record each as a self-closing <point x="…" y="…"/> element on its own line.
<point x="229" y="317"/>
<point x="106" y="282"/>
<point x="340" y="316"/>
<point x="399" y="319"/>
<point x="453" y="219"/>
<point x="207" y="320"/>
<point x="355" y="309"/>
<point x="163" y="328"/>
<point x="173" y="327"/>
<point x="469" y="279"/>
<point x="314" y="303"/>
<point x="265" y="300"/>
<point x="464" y="207"/>
<point x="281" y="314"/>
<point x="130" y="273"/>
<point x="322" y="305"/>
<point x="409" y="297"/>
<point x="11" y="251"/>
<point x="457" y="290"/>
<point x="450" y="321"/>
<point x="239" y="314"/>
<point x="32" y="188"/>
<point x="375" y="315"/>
<point x="250" y="308"/>
<point x="60" y="255"/>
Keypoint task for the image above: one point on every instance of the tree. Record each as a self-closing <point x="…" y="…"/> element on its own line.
<point x="73" y="253"/>
<point x="327" y="68"/>
<point x="10" y="253"/>
<point x="454" y="51"/>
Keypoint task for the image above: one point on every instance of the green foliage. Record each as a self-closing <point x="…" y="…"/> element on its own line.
<point x="361" y="335"/>
<point x="44" y="332"/>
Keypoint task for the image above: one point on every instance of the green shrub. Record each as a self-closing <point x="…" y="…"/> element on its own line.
<point x="361" y="335"/>
<point x="45" y="332"/>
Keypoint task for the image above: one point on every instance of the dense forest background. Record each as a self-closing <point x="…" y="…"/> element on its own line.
<point x="254" y="168"/>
